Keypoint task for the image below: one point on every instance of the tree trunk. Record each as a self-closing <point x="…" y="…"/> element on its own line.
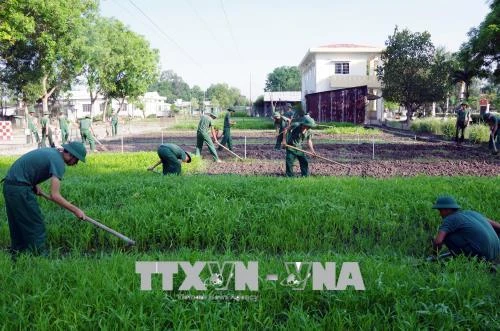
<point x="46" y="95"/>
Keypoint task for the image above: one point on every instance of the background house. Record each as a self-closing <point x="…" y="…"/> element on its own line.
<point x="341" y="66"/>
<point x="280" y="99"/>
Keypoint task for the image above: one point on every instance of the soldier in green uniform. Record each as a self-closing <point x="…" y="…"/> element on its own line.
<point x="26" y="225"/>
<point x="226" y="132"/>
<point x="171" y="157"/>
<point x="44" y="122"/>
<point x="63" y="126"/>
<point x="289" y="112"/>
<point x="85" y="132"/>
<point x="114" y="124"/>
<point x="494" y="123"/>
<point x="295" y="135"/>
<point x="280" y="123"/>
<point x="465" y="231"/>
<point x="205" y="130"/>
<point x="463" y="119"/>
<point x="32" y="125"/>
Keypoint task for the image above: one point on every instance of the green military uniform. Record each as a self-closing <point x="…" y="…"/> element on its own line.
<point x="44" y="122"/>
<point x="85" y="133"/>
<point x="27" y="229"/>
<point x="280" y="123"/>
<point x="203" y="135"/>
<point x="63" y="125"/>
<point x="469" y="233"/>
<point x="463" y="115"/>
<point x="295" y="138"/>
<point x="32" y="127"/>
<point x="494" y="122"/>
<point x="114" y="124"/>
<point x="227" y="139"/>
<point x="171" y="157"/>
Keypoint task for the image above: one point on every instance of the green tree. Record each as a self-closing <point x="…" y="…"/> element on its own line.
<point x="40" y="44"/>
<point x="283" y="79"/>
<point x="485" y="41"/>
<point x="132" y="66"/>
<point x="466" y="67"/>
<point x="198" y="94"/>
<point x="171" y="86"/>
<point x="413" y="73"/>
<point x="221" y="95"/>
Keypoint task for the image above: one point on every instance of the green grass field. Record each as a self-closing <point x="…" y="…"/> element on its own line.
<point x="89" y="279"/>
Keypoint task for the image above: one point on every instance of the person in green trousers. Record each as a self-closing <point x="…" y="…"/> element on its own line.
<point x="280" y="123"/>
<point x="21" y="184"/>
<point x="205" y="130"/>
<point x="86" y="132"/>
<point x="226" y="132"/>
<point x="463" y="119"/>
<point x="32" y="125"/>
<point x="295" y="135"/>
<point x="494" y="123"/>
<point x="171" y="156"/>
<point x="44" y="123"/>
<point x="64" y="127"/>
<point x="466" y="232"/>
<point x="114" y="124"/>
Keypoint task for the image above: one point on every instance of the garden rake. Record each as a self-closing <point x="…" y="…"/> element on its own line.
<point x="320" y="157"/>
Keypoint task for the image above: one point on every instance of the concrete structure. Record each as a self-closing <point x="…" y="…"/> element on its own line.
<point x="339" y="66"/>
<point x="280" y="99"/>
<point x="79" y="105"/>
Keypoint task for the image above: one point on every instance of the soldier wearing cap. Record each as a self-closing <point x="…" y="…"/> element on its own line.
<point x="64" y="127"/>
<point x="465" y="231"/>
<point x="289" y="112"/>
<point x="226" y="132"/>
<point x="280" y="124"/>
<point x="26" y="225"/>
<point x="85" y="132"/>
<point x="494" y="123"/>
<point x="206" y="133"/>
<point x="114" y="123"/>
<point x="171" y="157"/>
<point x="463" y="119"/>
<point x="295" y="135"/>
<point x="32" y="125"/>
<point x="44" y="123"/>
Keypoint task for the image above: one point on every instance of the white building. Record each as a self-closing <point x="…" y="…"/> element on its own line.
<point x="80" y="106"/>
<point x="340" y="66"/>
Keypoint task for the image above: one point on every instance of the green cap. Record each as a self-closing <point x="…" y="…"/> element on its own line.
<point x="212" y="115"/>
<point x="445" y="202"/>
<point x="31" y="110"/>
<point x="231" y="109"/>
<point x="276" y="115"/>
<point x="308" y="121"/>
<point x="77" y="149"/>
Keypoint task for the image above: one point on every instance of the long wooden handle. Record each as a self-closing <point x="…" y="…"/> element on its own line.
<point x="99" y="225"/>
<point x="316" y="155"/>
<point x="113" y="232"/>
<point x="230" y="151"/>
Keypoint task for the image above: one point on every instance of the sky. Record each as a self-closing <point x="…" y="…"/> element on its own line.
<point x="240" y="42"/>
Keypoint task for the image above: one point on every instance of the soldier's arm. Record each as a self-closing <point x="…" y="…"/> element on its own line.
<point x="438" y="241"/>
<point x="56" y="196"/>
<point x="311" y="146"/>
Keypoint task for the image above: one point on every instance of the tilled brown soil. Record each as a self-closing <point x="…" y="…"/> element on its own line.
<point x="384" y="156"/>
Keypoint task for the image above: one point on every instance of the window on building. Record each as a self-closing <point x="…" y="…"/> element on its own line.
<point x="342" y="68"/>
<point x="86" y="107"/>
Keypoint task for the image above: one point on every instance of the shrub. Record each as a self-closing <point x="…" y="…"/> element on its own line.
<point x="478" y="133"/>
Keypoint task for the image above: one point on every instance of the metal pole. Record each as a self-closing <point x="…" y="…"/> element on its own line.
<point x="373" y="148"/>
<point x="162" y="137"/>
<point x="245" y="147"/>
<point x="122" y="143"/>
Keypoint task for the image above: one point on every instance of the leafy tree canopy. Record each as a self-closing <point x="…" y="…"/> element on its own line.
<point x="283" y="79"/>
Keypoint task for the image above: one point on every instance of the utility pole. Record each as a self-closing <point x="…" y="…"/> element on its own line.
<point x="251" y="103"/>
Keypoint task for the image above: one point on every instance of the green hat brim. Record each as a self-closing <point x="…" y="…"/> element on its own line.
<point x="74" y="152"/>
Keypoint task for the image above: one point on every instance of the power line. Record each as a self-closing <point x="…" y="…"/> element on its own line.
<point x="166" y="35"/>
<point x="230" y="30"/>
<point x="207" y="26"/>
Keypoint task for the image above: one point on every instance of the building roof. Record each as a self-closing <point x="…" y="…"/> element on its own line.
<point x="291" y="96"/>
<point x="341" y="48"/>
